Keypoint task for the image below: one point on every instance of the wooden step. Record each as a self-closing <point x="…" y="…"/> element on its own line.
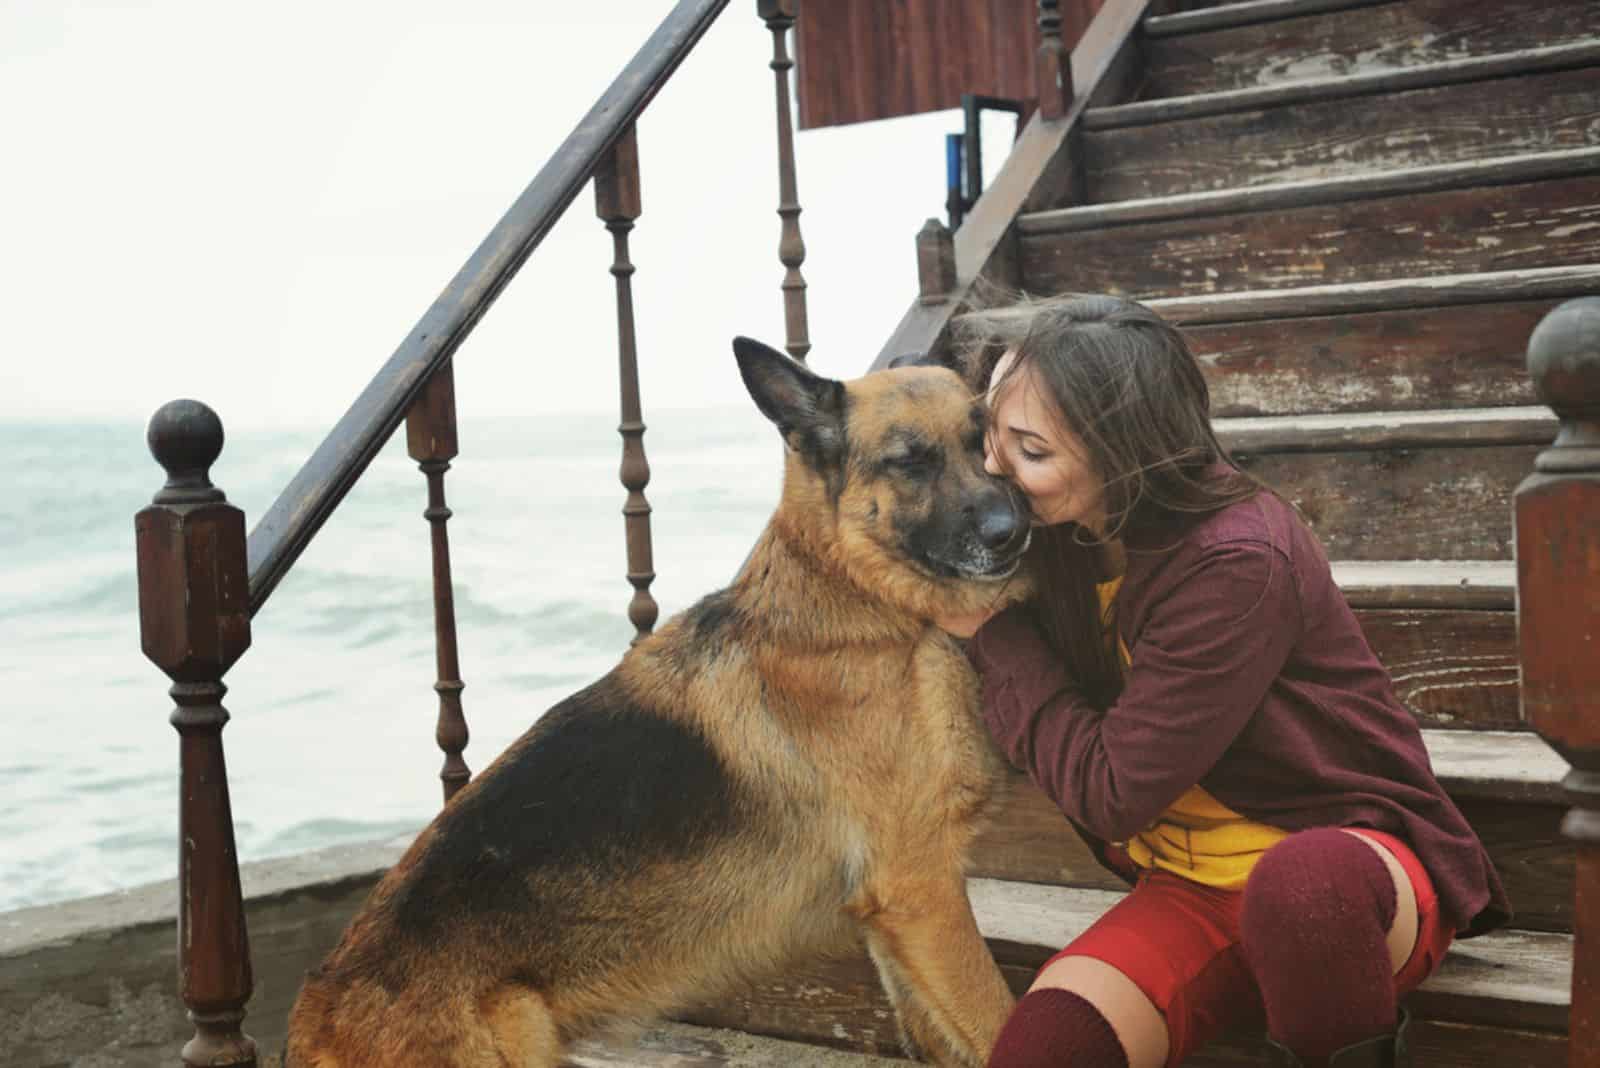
<point x="1244" y="46"/>
<point x="1497" y="1000"/>
<point x="1174" y="17"/>
<point x="1448" y="342"/>
<point x="1398" y="485"/>
<point x="1393" y="294"/>
<point x="1474" y="109"/>
<point x="1402" y="234"/>
<point x="1486" y="585"/>
<point x="1281" y="196"/>
<point x="1507" y="784"/>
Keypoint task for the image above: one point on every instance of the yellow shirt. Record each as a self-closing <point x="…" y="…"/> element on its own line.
<point x="1197" y="836"/>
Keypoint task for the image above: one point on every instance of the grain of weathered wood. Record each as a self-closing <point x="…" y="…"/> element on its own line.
<point x="1427" y="358"/>
<point x="1438" y="584"/>
<point x="1534" y="860"/>
<point x="1339" y="431"/>
<point x="1183" y="58"/>
<point x="1432" y="1043"/>
<point x="1383" y="504"/>
<point x="674" y="1045"/>
<point x="1279" y="196"/>
<point x="1444" y="291"/>
<point x="1197" y="16"/>
<point x="1324" y="138"/>
<point x="1454" y="72"/>
<point x="1450" y="668"/>
<point x="1451" y="232"/>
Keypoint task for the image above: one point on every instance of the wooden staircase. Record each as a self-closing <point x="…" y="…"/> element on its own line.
<point x="1359" y="211"/>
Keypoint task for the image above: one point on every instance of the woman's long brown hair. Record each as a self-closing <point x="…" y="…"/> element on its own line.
<point x="1124" y="382"/>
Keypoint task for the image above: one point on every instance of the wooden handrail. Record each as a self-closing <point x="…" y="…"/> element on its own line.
<point x="333" y="469"/>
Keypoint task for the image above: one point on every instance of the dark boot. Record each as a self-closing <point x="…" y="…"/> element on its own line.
<point x="1385" y="1051"/>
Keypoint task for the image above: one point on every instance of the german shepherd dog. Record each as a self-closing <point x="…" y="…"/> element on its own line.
<point x="790" y="768"/>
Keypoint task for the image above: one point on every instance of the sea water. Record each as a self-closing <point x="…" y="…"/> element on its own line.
<point x="333" y="710"/>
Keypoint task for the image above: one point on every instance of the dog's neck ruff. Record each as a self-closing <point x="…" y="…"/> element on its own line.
<point x="794" y="585"/>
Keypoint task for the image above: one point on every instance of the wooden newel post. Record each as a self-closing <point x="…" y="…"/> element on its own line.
<point x="194" y="622"/>
<point x="431" y="441"/>
<point x="936" y="262"/>
<point x="1558" y="618"/>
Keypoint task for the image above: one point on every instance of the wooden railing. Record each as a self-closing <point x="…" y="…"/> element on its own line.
<point x="1558" y="619"/>
<point x="201" y="581"/>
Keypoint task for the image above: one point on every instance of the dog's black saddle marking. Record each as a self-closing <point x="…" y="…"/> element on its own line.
<point x="600" y="789"/>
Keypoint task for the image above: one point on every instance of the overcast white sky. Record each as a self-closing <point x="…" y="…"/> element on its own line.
<point x="252" y="204"/>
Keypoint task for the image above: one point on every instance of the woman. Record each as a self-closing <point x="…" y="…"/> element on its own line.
<point x="1212" y="722"/>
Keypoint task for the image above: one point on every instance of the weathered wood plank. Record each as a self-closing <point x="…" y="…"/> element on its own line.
<point x="675" y="1045"/>
<point x="1429" y="358"/>
<point x="1459" y="1045"/>
<point x="1393" y="294"/>
<point x="1184" y="57"/>
<point x="1451" y="232"/>
<point x="1324" y="138"/>
<point x="1341" y="431"/>
<point x="1280" y="196"/>
<point x="1535" y="862"/>
<point x="1499" y="66"/>
<point x="1451" y="669"/>
<point x="1489" y="585"/>
<point x="1403" y="503"/>
<point x="1197" y="16"/>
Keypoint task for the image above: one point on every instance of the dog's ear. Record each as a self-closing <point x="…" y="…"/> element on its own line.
<point x="807" y="408"/>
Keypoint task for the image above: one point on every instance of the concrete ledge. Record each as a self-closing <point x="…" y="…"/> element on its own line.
<point x="93" y="982"/>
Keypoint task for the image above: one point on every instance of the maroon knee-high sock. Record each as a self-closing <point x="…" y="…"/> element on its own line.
<point x="1314" y="926"/>
<point x="1053" y="1028"/>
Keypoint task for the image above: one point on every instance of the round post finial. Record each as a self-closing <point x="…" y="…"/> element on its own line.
<point x="1564" y="363"/>
<point x="185" y="437"/>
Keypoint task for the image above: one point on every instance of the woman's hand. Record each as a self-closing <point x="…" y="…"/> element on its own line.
<point x="966" y="626"/>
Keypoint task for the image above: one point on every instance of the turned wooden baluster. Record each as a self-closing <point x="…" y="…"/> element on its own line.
<point x="617" y="202"/>
<point x="431" y="441"/>
<point x="1053" y="64"/>
<point x="779" y="16"/>
<point x="1558" y="618"/>
<point x="194" y="622"/>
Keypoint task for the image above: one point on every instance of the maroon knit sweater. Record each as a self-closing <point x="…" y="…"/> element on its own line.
<point x="1250" y="677"/>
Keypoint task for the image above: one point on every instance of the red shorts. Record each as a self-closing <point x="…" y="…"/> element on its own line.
<point x="1179" y="942"/>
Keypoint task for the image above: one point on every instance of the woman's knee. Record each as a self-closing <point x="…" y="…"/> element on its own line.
<point x="1323" y="884"/>
<point x="1083" y="1011"/>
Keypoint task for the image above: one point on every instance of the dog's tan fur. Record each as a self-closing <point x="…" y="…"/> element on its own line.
<point x="855" y="774"/>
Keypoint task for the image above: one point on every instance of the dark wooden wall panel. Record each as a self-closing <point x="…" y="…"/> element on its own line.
<point x="859" y="60"/>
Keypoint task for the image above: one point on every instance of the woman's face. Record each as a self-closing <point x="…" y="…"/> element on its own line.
<point x="1028" y="443"/>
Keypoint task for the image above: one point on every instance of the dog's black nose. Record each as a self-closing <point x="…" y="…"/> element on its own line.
<point x="998" y="526"/>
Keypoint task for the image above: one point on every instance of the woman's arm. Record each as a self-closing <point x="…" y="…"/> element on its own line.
<point x="1201" y="666"/>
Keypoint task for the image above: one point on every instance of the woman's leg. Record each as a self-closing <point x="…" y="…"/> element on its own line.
<point x="1147" y="984"/>
<point x="1082" y="1011"/>
<point x="1328" y="918"/>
